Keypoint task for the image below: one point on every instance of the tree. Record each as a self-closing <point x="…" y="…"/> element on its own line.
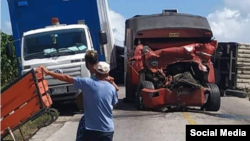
<point x="9" y="70"/>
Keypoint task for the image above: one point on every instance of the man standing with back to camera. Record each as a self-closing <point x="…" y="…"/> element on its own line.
<point x="91" y="59"/>
<point x="99" y="98"/>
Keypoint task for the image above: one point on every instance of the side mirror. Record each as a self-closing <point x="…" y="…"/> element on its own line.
<point x="103" y="37"/>
<point x="9" y="51"/>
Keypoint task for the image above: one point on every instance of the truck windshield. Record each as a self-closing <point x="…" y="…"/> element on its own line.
<point x="55" y="43"/>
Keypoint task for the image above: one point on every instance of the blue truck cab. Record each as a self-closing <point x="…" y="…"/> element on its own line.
<point x="57" y="34"/>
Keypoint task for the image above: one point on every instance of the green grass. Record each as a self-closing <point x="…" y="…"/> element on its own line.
<point x="3" y="87"/>
<point x="29" y="128"/>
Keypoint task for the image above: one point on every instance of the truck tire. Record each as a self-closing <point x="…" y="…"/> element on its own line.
<point x="214" y="99"/>
<point x="236" y="93"/>
<point x="139" y="101"/>
<point x="217" y="76"/>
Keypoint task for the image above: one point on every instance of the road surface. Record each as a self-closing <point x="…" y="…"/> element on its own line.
<point x="133" y="125"/>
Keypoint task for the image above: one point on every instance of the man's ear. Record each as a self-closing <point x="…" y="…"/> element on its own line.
<point x="87" y="65"/>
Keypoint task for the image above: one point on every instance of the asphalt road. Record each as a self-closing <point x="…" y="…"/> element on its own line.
<point x="133" y="125"/>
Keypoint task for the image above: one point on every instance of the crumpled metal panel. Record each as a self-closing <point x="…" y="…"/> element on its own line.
<point x="158" y="60"/>
<point x="195" y="52"/>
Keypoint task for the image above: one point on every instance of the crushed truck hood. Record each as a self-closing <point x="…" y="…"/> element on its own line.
<point x="199" y="53"/>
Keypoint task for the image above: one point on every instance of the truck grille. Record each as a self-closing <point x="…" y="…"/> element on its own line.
<point x="74" y="71"/>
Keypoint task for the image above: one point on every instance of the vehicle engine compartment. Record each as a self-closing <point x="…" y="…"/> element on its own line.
<point x="176" y="76"/>
<point x="186" y="66"/>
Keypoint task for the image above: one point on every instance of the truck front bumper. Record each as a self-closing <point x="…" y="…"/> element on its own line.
<point x="165" y="97"/>
<point x="67" y="93"/>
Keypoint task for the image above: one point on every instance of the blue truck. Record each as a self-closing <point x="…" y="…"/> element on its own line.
<point x="57" y="34"/>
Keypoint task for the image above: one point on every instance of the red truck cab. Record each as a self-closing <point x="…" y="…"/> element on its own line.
<point x="168" y="61"/>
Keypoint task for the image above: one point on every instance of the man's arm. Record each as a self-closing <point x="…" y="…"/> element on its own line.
<point x="111" y="81"/>
<point x="62" y="77"/>
<point x="116" y="87"/>
<point x="115" y="99"/>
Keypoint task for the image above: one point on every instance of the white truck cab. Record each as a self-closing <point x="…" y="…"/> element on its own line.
<point x="60" y="48"/>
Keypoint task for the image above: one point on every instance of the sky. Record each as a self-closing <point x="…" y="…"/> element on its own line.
<point x="229" y="19"/>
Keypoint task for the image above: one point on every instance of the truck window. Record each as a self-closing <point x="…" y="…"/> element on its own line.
<point x="55" y="43"/>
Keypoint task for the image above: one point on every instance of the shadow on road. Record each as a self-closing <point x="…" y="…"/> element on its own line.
<point x="125" y="106"/>
<point x="221" y="115"/>
<point x="130" y="107"/>
<point x="66" y="109"/>
<point x="70" y="109"/>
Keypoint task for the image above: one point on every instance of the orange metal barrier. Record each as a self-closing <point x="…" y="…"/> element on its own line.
<point x="24" y="99"/>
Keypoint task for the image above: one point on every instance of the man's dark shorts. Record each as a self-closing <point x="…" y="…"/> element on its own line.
<point x="80" y="130"/>
<point x="88" y="135"/>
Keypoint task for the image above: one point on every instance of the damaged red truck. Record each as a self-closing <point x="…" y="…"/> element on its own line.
<point x="168" y="62"/>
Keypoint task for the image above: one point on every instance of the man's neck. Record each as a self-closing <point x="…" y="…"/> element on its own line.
<point x="92" y="72"/>
<point x="100" y="78"/>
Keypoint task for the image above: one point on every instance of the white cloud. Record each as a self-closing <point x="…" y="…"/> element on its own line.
<point x="241" y="5"/>
<point x="232" y="23"/>
<point x="118" y="27"/>
<point x="8" y="28"/>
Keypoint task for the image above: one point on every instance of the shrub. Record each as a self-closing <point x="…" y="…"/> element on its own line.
<point x="9" y="70"/>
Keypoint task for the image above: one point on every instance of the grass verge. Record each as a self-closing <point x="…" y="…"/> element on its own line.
<point x="3" y="87"/>
<point x="30" y="128"/>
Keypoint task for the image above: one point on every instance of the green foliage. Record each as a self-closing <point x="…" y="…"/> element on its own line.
<point x="9" y="70"/>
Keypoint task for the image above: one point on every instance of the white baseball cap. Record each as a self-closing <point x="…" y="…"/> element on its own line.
<point x="102" y="67"/>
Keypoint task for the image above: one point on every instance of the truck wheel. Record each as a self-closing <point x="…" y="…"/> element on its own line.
<point x="217" y="76"/>
<point x="139" y="101"/>
<point x="214" y="99"/>
<point x="236" y="93"/>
